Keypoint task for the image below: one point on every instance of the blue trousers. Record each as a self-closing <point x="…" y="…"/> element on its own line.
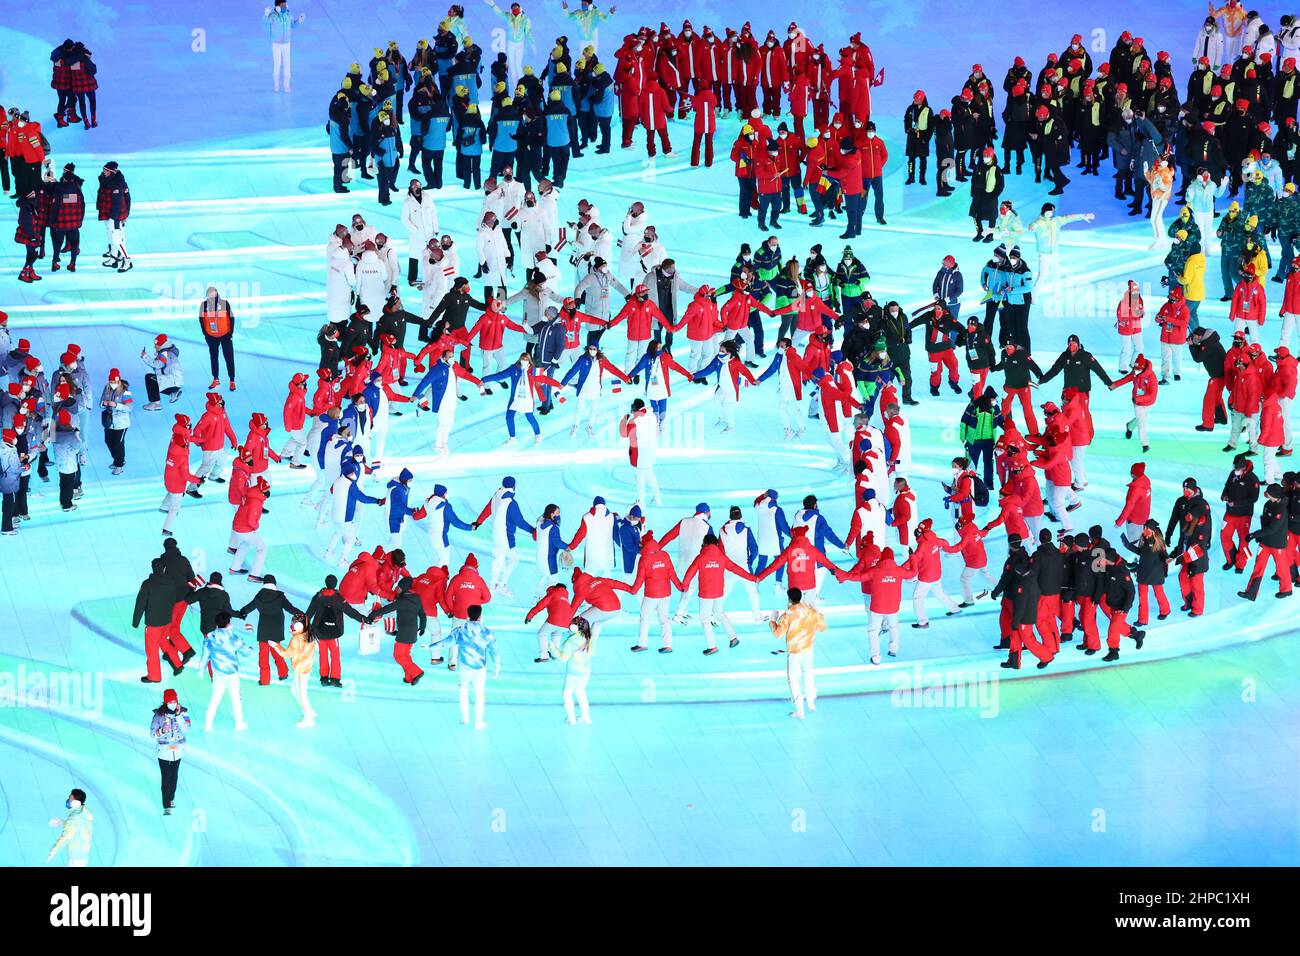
<point x="532" y="420"/>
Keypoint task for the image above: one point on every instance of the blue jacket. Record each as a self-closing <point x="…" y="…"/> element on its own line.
<point x="993" y="279"/>
<point x="550" y="533"/>
<point x="550" y="341"/>
<point x="338" y="145"/>
<point x="514" y="374"/>
<point x="751" y="546"/>
<point x="557" y="125"/>
<point x="326" y="436"/>
<point x="1019" y="285"/>
<point x="469" y="140"/>
<point x="358" y="417"/>
<point x="627" y="538"/>
<point x="949" y="284"/>
<point x="449" y="520"/>
<point x="504" y="130"/>
<point x="398" y="495"/>
<point x="435" y="381"/>
<point x="11" y="469"/>
<point x="515" y="519"/>
<point x="823" y="532"/>
<point x="602" y="96"/>
<point x="355" y="496"/>
<point x="580" y="370"/>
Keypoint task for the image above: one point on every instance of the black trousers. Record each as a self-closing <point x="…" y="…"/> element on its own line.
<point x="431" y="160"/>
<point x="66" y="240"/>
<point x="151" y="387"/>
<point x="340" y="159"/>
<point x="226" y="346"/>
<point x="500" y="160"/>
<point x="171" y="771"/>
<point x="8" y="509"/>
<point x="756" y="324"/>
<point x="557" y="160"/>
<point x="67" y="485"/>
<point x="469" y="169"/>
<point x="21" y="501"/>
<point x="115" y="439"/>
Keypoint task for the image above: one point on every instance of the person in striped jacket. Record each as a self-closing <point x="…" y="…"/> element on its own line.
<point x="475" y="648"/>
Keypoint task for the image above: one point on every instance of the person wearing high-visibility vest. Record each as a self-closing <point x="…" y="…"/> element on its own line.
<point x="218" y="324"/>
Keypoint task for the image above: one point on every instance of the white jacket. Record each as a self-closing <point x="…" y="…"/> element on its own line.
<point x="420" y="217"/>
<point x="598" y="544"/>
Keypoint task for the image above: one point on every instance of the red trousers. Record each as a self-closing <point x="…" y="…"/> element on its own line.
<point x="1026" y="405"/>
<point x="941" y="360"/>
<point x="1293" y="545"/>
<point x="1237" y="526"/>
<point x="1004" y="619"/>
<point x="1193" y="589"/>
<point x="1067" y="617"/>
<point x="329" y="657"/>
<point x="663" y="138"/>
<point x="979" y="377"/>
<point x="1281" y="559"/>
<point x="1161" y="601"/>
<point x="1118" y="626"/>
<point x="1023" y="637"/>
<point x="1049" y="609"/>
<point x="174" y="629"/>
<point x="1213" y="401"/>
<point x="402" y="654"/>
<point x="707" y="140"/>
<point x="265" y="651"/>
<point x="156" y="644"/>
<point x="821" y="112"/>
<point x="1086" y="609"/>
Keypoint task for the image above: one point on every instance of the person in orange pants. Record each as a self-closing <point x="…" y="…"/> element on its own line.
<point x="1240" y="493"/>
<point x="1019" y="580"/>
<point x="1117" y="596"/>
<point x="1192" y="553"/>
<point x="1083" y="582"/>
<point x="1049" y="573"/>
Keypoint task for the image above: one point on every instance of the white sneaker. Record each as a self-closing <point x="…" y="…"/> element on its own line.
<point x="508" y="442"/>
<point x="481" y="725"/>
<point x="239" y="728"/>
<point x="537" y="439"/>
<point x="812" y="705"/>
<point x="306" y="722"/>
<point x="570" y="720"/>
<point x="585" y="719"/>
<point x="797" y="714"/>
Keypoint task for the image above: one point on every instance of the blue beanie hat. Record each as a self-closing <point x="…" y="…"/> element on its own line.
<point x="405" y="475"/>
<point x="634" y="511"/>
<point x="702" y="507"/>
<point x="440" y="490"/>
<point x="771" y="493"/>
<point x="508" y="481"/>
<point x="598" y="500"/>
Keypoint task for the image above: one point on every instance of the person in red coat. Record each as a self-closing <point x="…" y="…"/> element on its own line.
<point x="1290" y="310"/>
<point x="970" y="545"/>
<point x="1137" y="502"/>
<point x="773" y="73"/>
<point x="248" y="518"/>
<point x="711" y="566"/>
<point x="1245" y="372"/>
<point x="768" y="178"/>
<point x="926" y="561"/>
<point x="882" y="588"/>
<point x="295" y="420"/>
<point x="176" y="471"/>
<point x="211" y="434"/>
<point x="790" y="151"/>
<point x="1145" y="388"/>
<point x="655" y="108"/>
<point x="1249" y="303"/>
<point x="847" y="170"/>
<point x="1173" y="319"/>
<point x="655" y="579"/>
<point x="801" y="559"/>
<point x="629" y="78"/>
<point x="745" y="65"/>
<point x="1271" y="432"/>
<point x="704" y="104"/>
<point x="744" y="152"/>
<point x="1284" y="380"/>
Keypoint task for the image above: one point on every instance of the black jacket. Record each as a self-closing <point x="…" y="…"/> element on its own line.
<point x="1241" y="492"/>
<point x="1117" y="586"/>
<point x="154" y="601"/>
<point x="1079" y="367"/>
<point x="411" y="619"/>
<point x="1151" y="567"/>
<point x="1049" y="570"/>
<point x="1209" y="352"/>
<point x="271" y="605"/>
<point x="454" y="307"/>
<point x="1272" y="525"/>
<point x="212" y="599"/>
<point x="325" y="614"/>
<point x="1015" y="368"/>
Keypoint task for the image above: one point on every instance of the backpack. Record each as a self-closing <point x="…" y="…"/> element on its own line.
<point x="979" y="491"/>
<point x="328" y="619"/>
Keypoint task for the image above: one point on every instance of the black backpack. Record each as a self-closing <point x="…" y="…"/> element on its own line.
<point x="979" y="491"/>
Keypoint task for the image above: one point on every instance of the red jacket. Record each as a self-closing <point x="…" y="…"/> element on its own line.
<point x="1291" y="296"/>
<point x="361" y="579"/>
<point x="1145" y="386"/>
<point x="240" y="474"/>
<point x="705" y="106"/>
<point x="176" y="473"/>
<point x="848" y="169"/>
<point x="735" y="311"/>
<point x="324" y="399"/>
<point x="491" y="329"/>
<point x="653" y="109"/>
<point x="1173" y="319"/>
<point x="1029" y="492"/>
<point x="1272" y="427"/>
<point x="701" y="319"/>
<point x="1137" y="502"/>
<point x="1284" y="376"/>
<point x="767" y="175"/>
<point x="249" y="514"/>
<point x="800" y="559"/>
<point x="925" y="560"/>
<point x="259" y="444"/>
<point x="431" y="588"/>
<point x="640" y="314"/>
<point x="712" y="565"/>
<point x="1130" y="311"/>
<point x="213" y="429"/>
<point x="773" y="68"/>
<point x="295" y="408"/>
<point x="593" y="590"/>
<point x="1249" y="302"/>
<point x="465" y="590"/>
<point x="883" y="580"/>
<point x="1010" y="515"/>
<point x="970" y="545"/>
<point x="654" y="571"/>
<point x="555" y="602"/>
<point x="874" y="155"/>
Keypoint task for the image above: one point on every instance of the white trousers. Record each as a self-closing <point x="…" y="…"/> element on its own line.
<point x="514" y="61"/>
<point x="918" y="599"/>
<point x="475" y="679"/>
<point x="968" y="575"/>
<point x="223" y="685"/>
<point x="249" y="541"/>
<point x="1244" y="426"/>
<point x="344" y="539"/>
<point x="545" y="634"/>
<point x="1138" y="422"/>
<point x="1062" y="496"/>
<point x="1130" y="346"/>
<point x="575" y="688"/>
<point x="874" y="622"/>
<point x="1205" y="222"/>
<point x="298" y="684"/>
<point x="1158" y="219"/>
<point x="1288" y="326"/>
<point x="171" y="503"/>
<point x="750" y="588"/>
<point x="280" y="66"/>
<point x="645" y="477"/>
<point x="211" y="464"/>
<point x="1285" y="404"/>
<point x="1171" y="360"/>
<point x="802" y="680"/>
<point x="503" y="565"/>
<point x="656" y="607"/>
<point x="711" y="613"/>
<point x="1078" y="466"/>
<point x="598" y="619"/>
<point x="1272" y="471"/>
<point x="295" y="445"/>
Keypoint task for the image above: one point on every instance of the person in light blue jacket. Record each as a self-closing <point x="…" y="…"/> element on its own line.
<point x="475" y="649"/>
<point x="280" y="25"/>
<point x="1018" y="297"/>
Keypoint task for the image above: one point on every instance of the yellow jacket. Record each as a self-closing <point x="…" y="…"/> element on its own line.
<point x="1193" y="278"/>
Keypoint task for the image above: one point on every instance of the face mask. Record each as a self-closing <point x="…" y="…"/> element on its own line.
<point x="172" y="706"/>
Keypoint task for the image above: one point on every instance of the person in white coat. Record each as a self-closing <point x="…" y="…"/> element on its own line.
<point x="1208" y="44"/>
<point x="508" y="200"/>
<point x="740" y="545"/>
<point x="771" y="530"/>
<point x="437" y="278"/>
<point x="1288" y="38"/>
<point x="345" y="497"/>
<point x="596" y="532"/>
<point x="548" y="201"/>
<point x="899" y="431"/>
<point x="641" y="429"/>
<point x="490" y="243"/>
<point x="594" y="243"/>
<point x="587" y="378"/>
<point x="388" y="256"/>
<point x="340" y="276"/>
<point x="634" y="225"/>
<point x="507" y="520"/>
<point x="372" y="279"/>
<point x="533" y="237"/>
<point x="361" y="233"/>
<point x="689" y="533"/>
<point x="650" y="253"/>
<point x="420" y="217"/>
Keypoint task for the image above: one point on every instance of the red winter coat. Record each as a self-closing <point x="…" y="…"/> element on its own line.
<point x="1130" y="311"/>
<point x="1145" y="386"/>
<point x="1137" y="502"/>
<point x="1030" y="493"/>
<point x="213" y="429"/>
<point x="465" y="590"/>
<point x="249" y="513"/>
<point x="555" y="602"/>
<point x="491" y="329"/>
<point x="800" y="560"/>
<point x="705" y="106"/>
<point x="654" y="571"/>
<point x="773" y="68"/>
<point x="1173" y="319"/>
<point x="1291" y="296"/>
<point x="259" y="444"/>
<point x="1249" y="302"/>
<point x="361" y="579"/>
<point x="1011" y="514"/>
<point x="295" y="408"/>
<point x="1284" y="376"/>
<point x="970" y="545"/>
<point x="640" y="314"/>
<point x="712" y="565"/>
<point x="176" y="473"/>
<point x="883" y="580"/>
<point x="848" y="169"/>
<point x="1272" y="428"/>
<point x="240" y="475"/>
<point x="925" y="560"/>
<point x="653" y="109"/>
